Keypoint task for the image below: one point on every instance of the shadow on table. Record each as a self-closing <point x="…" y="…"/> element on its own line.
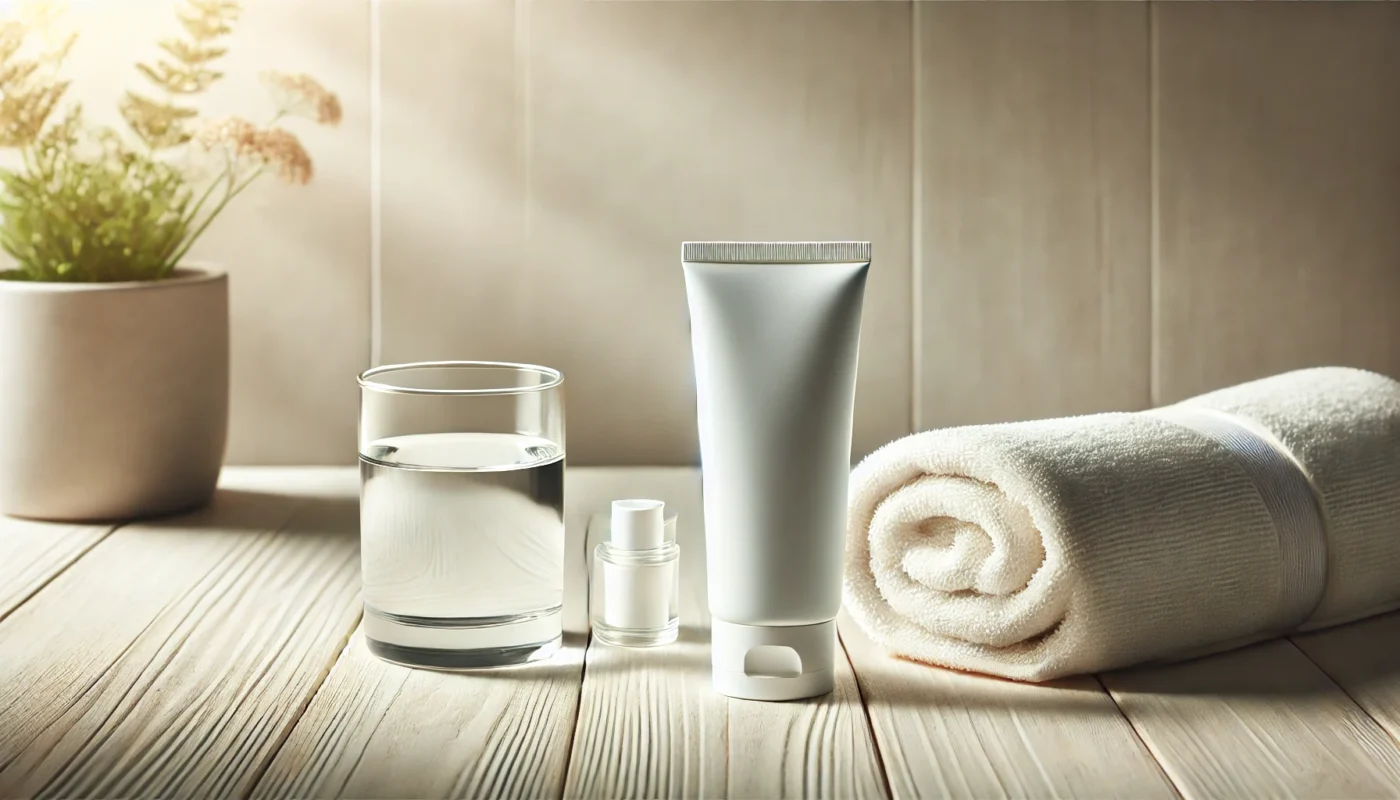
<point x="1331" y="664"/>
<point x="888" y="680"/>
<point x="1356" y="656"/>
<point x="908" y="684"/>
<point x="564" y="666"/>
<point x="245" y="511"/>
<point x="688" y="656"/>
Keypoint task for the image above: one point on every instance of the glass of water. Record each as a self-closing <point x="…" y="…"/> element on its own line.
<point x="461" y="512"/>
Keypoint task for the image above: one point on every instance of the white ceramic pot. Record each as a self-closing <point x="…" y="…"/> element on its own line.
<point x="113" y="397"/>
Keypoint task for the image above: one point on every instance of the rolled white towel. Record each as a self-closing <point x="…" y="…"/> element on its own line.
<point x="1033" y="550"/>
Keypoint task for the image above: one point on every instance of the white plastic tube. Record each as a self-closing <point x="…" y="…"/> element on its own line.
<point x="775" y="329"/>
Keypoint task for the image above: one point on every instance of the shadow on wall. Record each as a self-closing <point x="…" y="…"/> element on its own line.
<point x="538" y="164"/>
<point x="621" y="149"/>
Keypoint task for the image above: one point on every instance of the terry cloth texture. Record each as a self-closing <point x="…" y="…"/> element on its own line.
<point x="1034" y="550"/>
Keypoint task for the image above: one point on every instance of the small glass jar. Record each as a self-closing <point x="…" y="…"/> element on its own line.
<point x="635" y="591"/>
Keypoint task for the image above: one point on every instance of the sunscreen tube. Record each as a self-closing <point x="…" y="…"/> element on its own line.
<point x="775" y="329"/>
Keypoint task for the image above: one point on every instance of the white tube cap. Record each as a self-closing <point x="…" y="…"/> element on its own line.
<point x="638" y="524"/>
<point x="773" y="662"/>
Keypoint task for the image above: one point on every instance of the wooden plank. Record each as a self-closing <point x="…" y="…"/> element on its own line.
<point x="174" y="659"/>
<point x="32" y="553"/>
<point x="822" y="747"/>
<point x="1364" y="659"/>
<point x="1277" y="136"/>
<point x="380" y="730"/>
<point x="650" y="725"/>
<point x="1034" y="189"/>
<point x="953" y="734"/>
<point x="1258" y="722"/>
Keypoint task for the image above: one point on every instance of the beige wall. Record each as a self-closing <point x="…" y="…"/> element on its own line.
<point x="298" y="256"/>
<point x="1075" y="206"/>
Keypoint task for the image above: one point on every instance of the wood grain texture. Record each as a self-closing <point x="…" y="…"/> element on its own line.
<point x="1278" y="147"/>
<point x="1034" y="208"/>
<point x="1259" y="722"/>
<point x="190" y="657"/>
<point x="821" y="747"/>
<point x="649" y="724"/>
<point x="943" y="733"/>
<point x="174" y="659"/>
<point x="380" y="730"/>
<point x="1363" y="658"/>
<point x="655" y="123"/>
<point x="32" y="553"/>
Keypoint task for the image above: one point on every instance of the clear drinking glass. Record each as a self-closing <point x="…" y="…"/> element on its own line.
<point x="461" y="512"/>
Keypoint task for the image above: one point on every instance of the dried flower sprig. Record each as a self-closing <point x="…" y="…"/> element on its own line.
<point x="29" y="86"/>
<point x="245" y="143"/>
<point x="300" y="95"/>
<point x="162" y="124"/>
<point x="87" y="207"/>
<point x="44" y="18"/>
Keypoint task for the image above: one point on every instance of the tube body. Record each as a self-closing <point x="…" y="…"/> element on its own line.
<point x="775" y="330"/>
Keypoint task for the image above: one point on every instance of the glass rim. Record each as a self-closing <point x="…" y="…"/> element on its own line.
<point x="365" y="379"/>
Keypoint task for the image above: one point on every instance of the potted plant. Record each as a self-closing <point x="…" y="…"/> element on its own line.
<point x="114" y="349"/>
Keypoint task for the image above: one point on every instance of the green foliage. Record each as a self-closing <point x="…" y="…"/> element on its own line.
<point x="87" y="208"/>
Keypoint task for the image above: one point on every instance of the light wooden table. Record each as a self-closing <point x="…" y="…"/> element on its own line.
<point x="216" y="654"/>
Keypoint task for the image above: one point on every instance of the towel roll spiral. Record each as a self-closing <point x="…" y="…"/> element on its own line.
<point x="1033" y="550"/>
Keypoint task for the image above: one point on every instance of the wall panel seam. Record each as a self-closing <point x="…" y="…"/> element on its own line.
<point x="916" y="258"/>
<point x="524" y="131"/>
<point x="376" y="203"/>
<point x="1154" y="225"/>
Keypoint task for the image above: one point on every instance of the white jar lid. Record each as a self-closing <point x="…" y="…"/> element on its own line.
<point x="638" y="524"/>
